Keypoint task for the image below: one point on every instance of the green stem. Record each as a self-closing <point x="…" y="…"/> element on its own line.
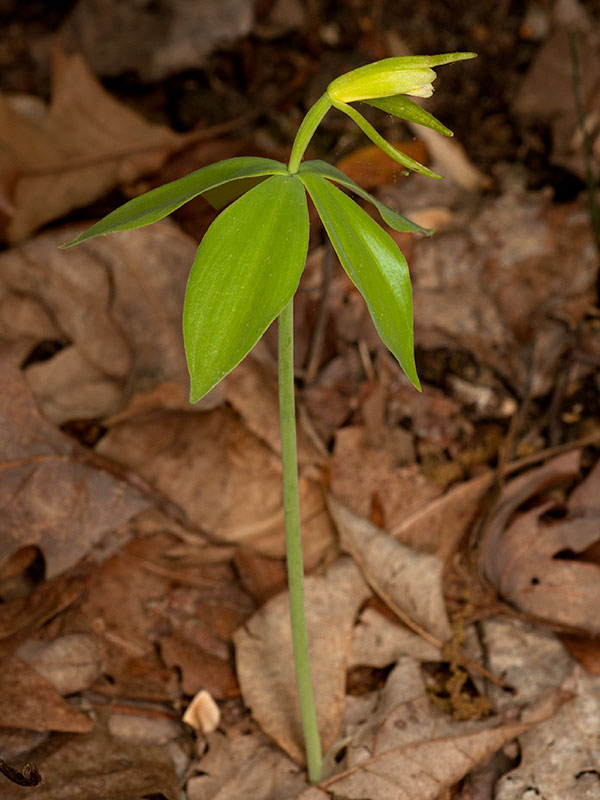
<point x="287" y="419"/>
<point x="306" y="130"/>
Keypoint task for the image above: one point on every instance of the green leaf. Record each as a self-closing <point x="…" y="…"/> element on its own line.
<point x="246" y="270"/>
<point x="404" y="107"/>
<point x="158" y="203"/>
<point x="377" y="139"/>
<point x="375" y="265"/>
<point x="389" y="216"/>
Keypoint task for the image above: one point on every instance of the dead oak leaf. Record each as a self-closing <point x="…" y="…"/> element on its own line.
<point x="87" y="144"/>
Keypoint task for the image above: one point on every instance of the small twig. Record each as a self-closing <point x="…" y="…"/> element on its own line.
<point x="28" y="776"/>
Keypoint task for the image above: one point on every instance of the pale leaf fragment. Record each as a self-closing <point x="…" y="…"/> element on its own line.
<point x="203" y="714"/>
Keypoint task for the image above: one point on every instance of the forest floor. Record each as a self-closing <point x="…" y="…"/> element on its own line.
<point x="451" y="537"/>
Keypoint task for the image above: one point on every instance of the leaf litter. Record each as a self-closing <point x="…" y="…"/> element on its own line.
<point x="124" y="591"/>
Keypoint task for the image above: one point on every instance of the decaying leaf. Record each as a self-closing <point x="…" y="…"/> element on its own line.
<point x="439" y="525"/>
<point x="114" y="313"/>
<point x="50" y="499"/>
<point x="96" y="767"/>
<point x="538" y="565"/>
<point x="85" y="145"/>
<point x="378" y="642"/>
<point x="265" y="663"/>
<point x="245" y="766"/>
<point x="492" y="302"/>
<point x="361" y="472"/>
<point x="30" y="701"/>
<point x="407" y="581"/>
<point x="402" y="748"/>
<point x="231" y="489"/>
<point x="560" y="756"/>
<point x="70" y="663"/>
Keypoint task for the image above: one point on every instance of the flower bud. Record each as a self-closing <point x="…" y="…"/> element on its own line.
<point x="412" y="75"/>
<point x="365" y="83"/>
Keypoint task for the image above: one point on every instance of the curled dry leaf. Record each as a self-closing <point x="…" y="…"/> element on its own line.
<point x="50" y="499"/>
<point x="402" y="747"/>
<point x="87" y="144"/>
<point x="265" y="662"/>
<point x="407" y="581"/>
<point x="538" y="565"/>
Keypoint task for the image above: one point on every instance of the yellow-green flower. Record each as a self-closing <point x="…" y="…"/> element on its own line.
<point x="412" y="75"/>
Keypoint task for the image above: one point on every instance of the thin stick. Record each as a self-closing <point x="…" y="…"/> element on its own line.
<point x="287" y="418"/>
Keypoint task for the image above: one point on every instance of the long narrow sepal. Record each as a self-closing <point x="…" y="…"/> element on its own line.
<point x="405" y="108"/>
<point x="384" y="145"/>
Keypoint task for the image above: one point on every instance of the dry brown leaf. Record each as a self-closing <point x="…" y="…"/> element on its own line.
<point x="199" y="669"/>
<point x="115" y="304"/>
<point x="70" y="663"/>
<point x="533" y="577"/>
<point x="362" y="474"/>
<point x="534" y="564"/>
<point x="439" y="525"/>
<point x="50" y="499"/>
<point x="369" y="166"/>
<point x="95" y="767"/>
<point x="559" y="758"/>
<point x="30" y="701"/>
<point x="410" y="583"/>
<point x="379" y="642"/>
<point x="153" y="41"/>
<point x="265" y="663"/>
<point x="492" y="302"/>
<point x="403" y="748"/>
<point x="225" y="478"/>
<point x="144" y="727"/>
<point x="87" y="144"/>
<point x="240" y="765"/>
<point x="252" y="390"/>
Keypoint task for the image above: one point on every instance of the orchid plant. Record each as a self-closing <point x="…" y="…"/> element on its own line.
<point x="248" y="266"/>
